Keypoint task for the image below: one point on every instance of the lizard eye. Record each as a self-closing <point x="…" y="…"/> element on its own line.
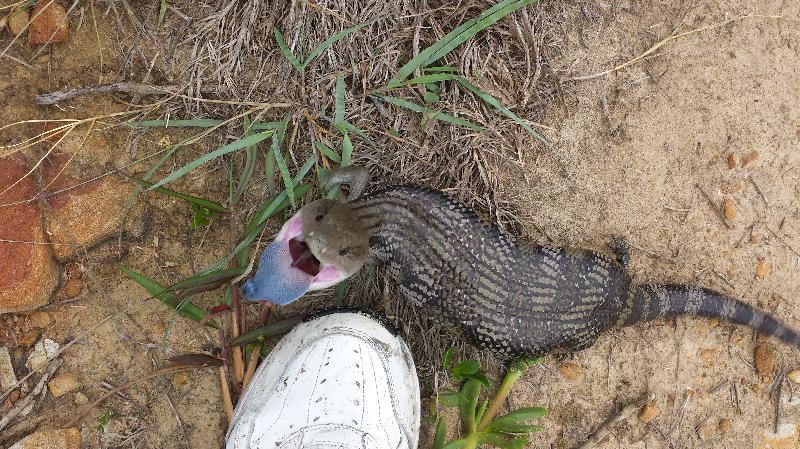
<point x="319" y="217"/>
<point x="344" y="251"/>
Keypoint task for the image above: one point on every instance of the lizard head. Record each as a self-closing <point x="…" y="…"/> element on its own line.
<point x="321" y="245"/>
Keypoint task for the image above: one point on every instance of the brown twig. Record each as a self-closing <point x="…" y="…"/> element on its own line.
<point x="266" y="308"/>
<point x="226" y="394"/>
<point x="123" y="87"/>
<point x="602" y="432"/>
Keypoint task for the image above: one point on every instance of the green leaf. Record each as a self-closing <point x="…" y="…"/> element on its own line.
<point x="435" y="115"/>
<point x="480" y="377"/>
<point x="481" y="410"/>
<point x="229" y="148"/>
<point x="330" y="41"/>
<point x="525" y="414"/>
<point x="464" y="368"/>
<point x="448" y="355"/>
<point x="200" y="123"/>
<point x="468" y="405"/>
<point x="338" y="116"/>
<point x="459" y="35"/>
<point x="208" y="204"/>
<point x="513" y="427"/>
<point x="249" y="164"/>
<point x="394" y="133"/>
<point x="430" y="97"/>
<point x="328" y="152"/>
<point x="201" y="216"/>
<point x="441" y="435"/>
<point x="270" y="330"/>
<point x="450" y="398"/>
<point x="168" y="297"/>
<point x="286" y="52"/>
<point x="502" y="443"/>
<point x="347" y="148"/>
<point x="284" y="170"/>
<point x="162" y="11"/>
<point x="456" y="444"/>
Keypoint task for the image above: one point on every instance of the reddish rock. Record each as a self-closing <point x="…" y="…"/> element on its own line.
<point x="81" y="217"/>
<point x="48" y="24"/>
<point x="51" y="439"/>
<point x="28" y="274"/>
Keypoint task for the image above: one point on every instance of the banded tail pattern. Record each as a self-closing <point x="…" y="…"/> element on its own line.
<point x="653" y="301"/>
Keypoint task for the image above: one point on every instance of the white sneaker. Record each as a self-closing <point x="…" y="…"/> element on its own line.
<point x="338" y="380"/>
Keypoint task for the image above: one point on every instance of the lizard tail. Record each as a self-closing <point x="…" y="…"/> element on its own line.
<point x="652" y="301"/>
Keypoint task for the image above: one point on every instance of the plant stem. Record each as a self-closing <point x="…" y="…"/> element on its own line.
<point x="502" y="393"/>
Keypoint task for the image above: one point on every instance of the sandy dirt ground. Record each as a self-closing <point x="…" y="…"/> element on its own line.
<point x="642" y="153"/>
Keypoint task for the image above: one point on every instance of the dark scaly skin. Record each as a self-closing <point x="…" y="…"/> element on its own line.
<point x="515" y="300"/>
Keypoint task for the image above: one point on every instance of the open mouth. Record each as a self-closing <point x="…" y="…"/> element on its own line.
<point x="302" y="258"/>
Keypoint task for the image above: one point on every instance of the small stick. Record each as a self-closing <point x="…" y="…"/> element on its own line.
<point x="714" y="207"/>
<point x="602" y="432"/>
<point x="125" y="87"/>
<point x="266" y="308"/>
<point x="226" y="394"/>
<point x="758" y="189"/>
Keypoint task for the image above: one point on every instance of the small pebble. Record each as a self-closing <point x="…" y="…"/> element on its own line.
<point x="38" y="358"/>
<point x="81" y="399"/>
<point x="724" y="425"/>
<point x="180" y="379"/>
<point x="762" y="269"/>
<point x="749" y="158"/>
<point x="569" y="370"/>
<point x="733" y="161"/>
<point x="30" y="337"/>
<point x="794" y="376"/>
<point x="17" y="21"/>
<point x="62" y="384"/>
<point x="729" y="207"/>
<point x="40" y="319"/>
<point x="709" y="357"/>
<point x="764" y="360"/>
<point x="708" y="429"/>
<point x="7" y="375"/>
<point x="649" y="412"/>
<point x="72" y="288"/>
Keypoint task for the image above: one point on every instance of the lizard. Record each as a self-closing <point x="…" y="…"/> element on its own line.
<point x="513" y="299"/>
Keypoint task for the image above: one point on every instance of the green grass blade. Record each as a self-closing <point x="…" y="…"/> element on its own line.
<point x="270" y="330"/>
<point x="168" y="297"/>
<point x="200" y="123"/>
<point x="494" y="102"/>
<point x="249" y="165"/>
<point x="284" y="170"/>
<point x="286" y="52"/>
<point x="338" y="116"/>
<point x="435" y="115"/>
<point x="488" y="18"/>
<point x="261" y="126"/>
<point x="231" y="147"/>
<point x="441" y="69"/>
<point x="329" y="152"/>
<point x="304" y="169"/>
<point x="458" y="36"/>
<point x="330" y="41"/>
<point x="208" y="204"/>
<point x="347" y="148"/>
<point x="424" y="79"/>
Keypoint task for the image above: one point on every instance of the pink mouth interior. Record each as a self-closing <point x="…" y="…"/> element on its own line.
<point x="302" y="258"/>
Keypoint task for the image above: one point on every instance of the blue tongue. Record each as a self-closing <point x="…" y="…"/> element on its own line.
<point x="276" y="280"/>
